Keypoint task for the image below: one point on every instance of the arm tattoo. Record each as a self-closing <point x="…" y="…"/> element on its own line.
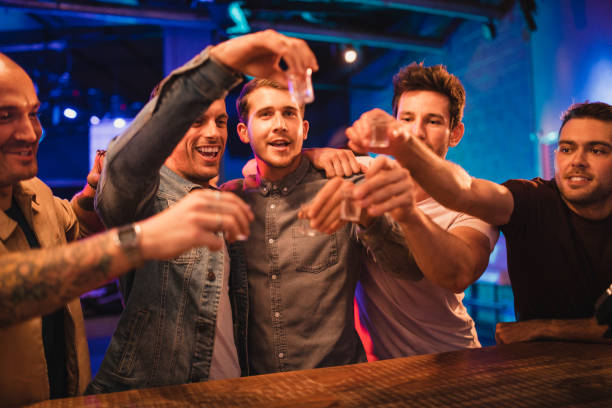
<point x="37" y="282"/>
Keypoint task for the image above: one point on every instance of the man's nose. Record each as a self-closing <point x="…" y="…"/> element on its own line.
<point x="417" y="129"/>
<point x="279" y="122"/>
<point x="211" y="129"/>
<point x="579" y="158"/>
<point x="28" y="129"/>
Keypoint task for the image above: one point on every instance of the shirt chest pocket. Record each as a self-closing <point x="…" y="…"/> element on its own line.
<point x="313" y="254"/>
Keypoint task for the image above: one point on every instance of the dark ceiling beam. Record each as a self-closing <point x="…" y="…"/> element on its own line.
<point x="310" y="33"/>
<point x="114" y="14"/>
<point x="449" y="8"/>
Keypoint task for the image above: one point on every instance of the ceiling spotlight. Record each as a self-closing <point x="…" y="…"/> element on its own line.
<point x="119" y="123"/>
<point x="70" y="113"/>
<point x="350" y="54"/>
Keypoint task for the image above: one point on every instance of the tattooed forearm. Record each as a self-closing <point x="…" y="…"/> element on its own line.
<point x="37" y="282"/>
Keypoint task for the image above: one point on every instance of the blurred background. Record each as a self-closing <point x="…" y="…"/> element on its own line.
<point x="522" y="63"/>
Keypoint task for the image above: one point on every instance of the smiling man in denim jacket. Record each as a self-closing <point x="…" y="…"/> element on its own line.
<point x="184" y="319"/>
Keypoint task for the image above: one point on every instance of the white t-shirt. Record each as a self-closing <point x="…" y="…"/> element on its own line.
<point x="224" y="363"/>
<point x="407" y="318"/>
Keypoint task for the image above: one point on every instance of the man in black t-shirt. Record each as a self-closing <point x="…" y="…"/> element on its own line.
<point x="558" y="232"/>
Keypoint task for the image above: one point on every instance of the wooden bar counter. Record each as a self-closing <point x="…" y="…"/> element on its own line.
<point x="537" y="374"/>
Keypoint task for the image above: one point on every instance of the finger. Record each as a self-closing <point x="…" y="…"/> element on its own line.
<point x="376" y="179"/>
<point x="330" y="171"/>
<point x="93" y="179"/>
<point x="331" y="210"/>
<point x="392" y="203"/>
<point x="345" y="162"/>
<point x="353" y="163"/>
<point x="331" y="215"/>
<point x="315" y="206"/>
<point x="335" y="226"/>
<point x="357" y="140"/>
<point x="237" y="215"/>
<point x="338" y="167"/>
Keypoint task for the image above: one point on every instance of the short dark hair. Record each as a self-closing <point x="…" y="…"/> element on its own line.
<point x="591" y="110"/>
<point x="417" y="77"/>
<point x="242" y="103"/>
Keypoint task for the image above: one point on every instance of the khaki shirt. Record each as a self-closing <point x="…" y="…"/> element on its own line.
<point x="23" y="368"/>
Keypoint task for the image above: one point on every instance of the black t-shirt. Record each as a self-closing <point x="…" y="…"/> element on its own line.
<point x="54" y="340"/>
<point x="558" y="262"/>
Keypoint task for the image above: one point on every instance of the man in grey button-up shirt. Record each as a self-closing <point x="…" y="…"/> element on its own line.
<point x="301" y="288"/>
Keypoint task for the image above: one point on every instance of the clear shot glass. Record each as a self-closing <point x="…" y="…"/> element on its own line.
<point x="300" y="87"/>
<point x="349" y="209"/>
<point x="303" y="228"/>
<point x="378" y="133"/>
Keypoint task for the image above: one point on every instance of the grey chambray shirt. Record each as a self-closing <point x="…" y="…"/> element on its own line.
<point x="301" y="288"/>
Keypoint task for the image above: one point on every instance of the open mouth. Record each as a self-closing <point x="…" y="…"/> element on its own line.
<point x="279" y="144"/>
<point x="578" y="179"/>
<point x="209" y="152"/>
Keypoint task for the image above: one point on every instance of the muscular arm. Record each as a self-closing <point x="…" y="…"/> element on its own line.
<point x="453" y="187"/>
<point x="451" y="259"/>
<point x="447" y="183"/>
<point x="39" y="281"/>
<point x="552" y="329"/>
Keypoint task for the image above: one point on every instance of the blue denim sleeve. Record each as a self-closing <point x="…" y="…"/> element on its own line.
<point x="130" y="176"/>
<point x="385" y="243"/>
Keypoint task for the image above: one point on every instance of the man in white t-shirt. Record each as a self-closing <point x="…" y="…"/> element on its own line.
<point x="452" y="250"/>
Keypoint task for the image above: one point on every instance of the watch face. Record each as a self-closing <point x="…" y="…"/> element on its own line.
<point x="128" y="238"/>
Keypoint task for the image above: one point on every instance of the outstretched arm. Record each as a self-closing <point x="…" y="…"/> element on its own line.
<point x="39" y="281"/>
<point x="451" y="259"/>
<point x="551" y="329"/>
<point x="446" y="182"/>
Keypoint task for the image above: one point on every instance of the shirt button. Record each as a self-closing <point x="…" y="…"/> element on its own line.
<point x="272" y="206"/>
<point x="285" y="189"/>
<point x="277" y="314"/>
<point x="271" y="241"/>
<point x="281" y="355"/>
<point x="273" y="277"/>
<point x="210" y="276"/>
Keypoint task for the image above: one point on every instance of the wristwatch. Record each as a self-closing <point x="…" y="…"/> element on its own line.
<point x="128" y="239"/>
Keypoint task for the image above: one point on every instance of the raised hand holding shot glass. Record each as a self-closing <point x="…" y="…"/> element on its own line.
<point x="378" y="131"/>
<point x="300" y="87"/>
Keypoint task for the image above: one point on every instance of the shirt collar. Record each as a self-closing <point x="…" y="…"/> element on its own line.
<point x="288" y="183"/>
<point x="184" y="184"/>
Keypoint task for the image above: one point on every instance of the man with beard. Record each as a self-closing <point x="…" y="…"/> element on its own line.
<point x="43" y="349"/>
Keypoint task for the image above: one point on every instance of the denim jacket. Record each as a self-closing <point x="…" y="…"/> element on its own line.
<point x="166" y="332"/>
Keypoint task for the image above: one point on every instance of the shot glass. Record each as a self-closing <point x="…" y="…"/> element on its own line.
<point x="303" y="228"/>
<point x="378" y="133"/>
<point x="300" y="87"/>
<point x="349" y="209"/>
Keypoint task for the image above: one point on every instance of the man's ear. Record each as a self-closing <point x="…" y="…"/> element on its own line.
<point x="456" y="134"/>
<point x="305" y="127"/>
<point x="243" y="132"/>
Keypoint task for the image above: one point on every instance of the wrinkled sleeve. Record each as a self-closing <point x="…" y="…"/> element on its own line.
<point x="68" y="219"/>
<point x="386" y="245"/>
<point x="130" y="176"/>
